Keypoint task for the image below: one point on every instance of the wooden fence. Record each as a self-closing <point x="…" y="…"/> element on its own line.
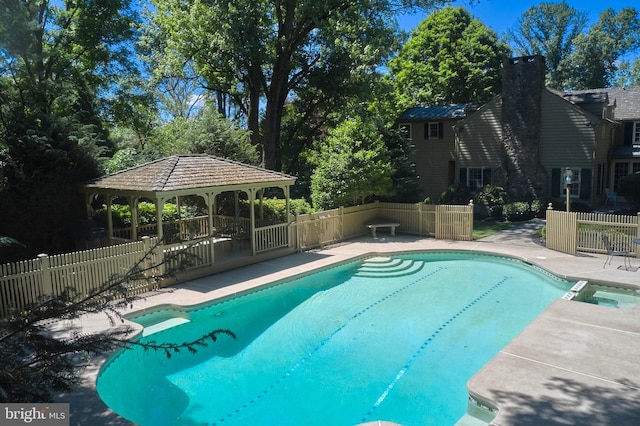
<point x="27" y="282"/>
<point x="33" y="281"/>
<point x="571" y="232"/>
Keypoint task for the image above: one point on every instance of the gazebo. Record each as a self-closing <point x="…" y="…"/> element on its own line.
<point x="179" y="176"/>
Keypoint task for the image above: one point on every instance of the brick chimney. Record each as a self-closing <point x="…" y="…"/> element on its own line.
<point x="522" y="83"/>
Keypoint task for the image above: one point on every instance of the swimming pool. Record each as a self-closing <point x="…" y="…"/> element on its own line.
<point x="391" y="338"/>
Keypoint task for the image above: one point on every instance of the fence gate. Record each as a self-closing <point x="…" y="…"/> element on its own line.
<point x="562" y="231"/>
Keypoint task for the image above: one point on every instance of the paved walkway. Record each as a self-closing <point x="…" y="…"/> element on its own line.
<point x="575" y="364"/>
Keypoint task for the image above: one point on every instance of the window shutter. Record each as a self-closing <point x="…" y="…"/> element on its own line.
<point x="440" y="130"/>
<point x="555" y="182"/>
<point x="463" y="176"/>
<point x="486" y="176"/>
<point x="628" y="134"/>
<point x="585" y="184"/>
<point x="426" y="131"/>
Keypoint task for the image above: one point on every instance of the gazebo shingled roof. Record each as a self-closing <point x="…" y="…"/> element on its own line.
<point x="186" y="172"/>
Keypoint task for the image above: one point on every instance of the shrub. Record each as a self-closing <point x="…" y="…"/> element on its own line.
<point x="456" y="194"/>
<point x="275" y="209"/>
<point x="517" y="211"/>
<point x="494" y="197"/>
<point x="121" y="214"/>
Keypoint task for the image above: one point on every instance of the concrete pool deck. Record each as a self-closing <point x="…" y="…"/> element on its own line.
<point x="575" y="364"/>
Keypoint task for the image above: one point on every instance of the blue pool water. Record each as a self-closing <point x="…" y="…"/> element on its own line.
<point x="388" y="338"/>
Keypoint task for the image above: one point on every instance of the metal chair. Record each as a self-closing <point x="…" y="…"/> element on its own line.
<point x="611" y="252"/>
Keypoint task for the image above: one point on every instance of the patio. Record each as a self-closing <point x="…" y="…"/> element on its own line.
<point x="575" y="364"/>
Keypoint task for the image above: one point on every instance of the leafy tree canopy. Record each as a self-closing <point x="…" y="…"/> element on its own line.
<point x="264" y="58"/>
<point x="352" y="165"/>
<point x="451" y="57"/>
<point x="57" y="61"/>
<point x="578" y="57"/>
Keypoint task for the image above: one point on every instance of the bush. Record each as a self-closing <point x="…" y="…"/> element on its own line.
<point x="275" y="209"/>
<point x="494" y="197"/>
<point x="517" y="211"/>
<point x="456" y="194"/>
<point x="121" y="214"/>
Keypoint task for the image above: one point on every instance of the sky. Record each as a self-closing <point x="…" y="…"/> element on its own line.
<point x="501" y="15"/>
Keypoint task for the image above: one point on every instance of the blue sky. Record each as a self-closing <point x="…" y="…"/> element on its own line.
<point x="503" y="14"/>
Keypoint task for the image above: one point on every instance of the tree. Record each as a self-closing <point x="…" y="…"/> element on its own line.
<point x="596" y="59"/>
<point x="628" y="73"/>
<point x="263" y="58"/>
<point x="549" y="29"/>
<point x="352" y="165"/>
<point x="451" y="57"/>
<point x="37" y="360"/>
<point x="55" y="65"/>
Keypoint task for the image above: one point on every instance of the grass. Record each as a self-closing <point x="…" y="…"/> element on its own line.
<point x="485" y="228"/>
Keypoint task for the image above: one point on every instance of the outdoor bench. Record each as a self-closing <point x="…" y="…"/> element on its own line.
<point x="375" y="226"/>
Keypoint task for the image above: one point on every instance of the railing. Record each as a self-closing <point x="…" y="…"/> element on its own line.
<point x="27" y="282"/>
<point x="570" y="232"/>
<point x="271" y="237"/>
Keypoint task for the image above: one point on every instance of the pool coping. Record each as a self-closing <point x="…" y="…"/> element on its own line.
<point x="524" y="371"/>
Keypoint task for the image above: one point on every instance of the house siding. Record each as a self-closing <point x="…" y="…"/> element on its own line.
<point x="480" y="138"/>
<point x="568" y="139"/>
<point x="432" y="157"/>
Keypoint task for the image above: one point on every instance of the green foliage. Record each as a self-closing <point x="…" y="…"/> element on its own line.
<point x="517" y="211"/>
<point x="575" y="58"/>
<point x="494" y="197"/>
<point x="549" y="29"/>
<point x="456" y="194"/>
<point x="595" y="59"/>
<point x="314" y="52"/>
<point x="629" y="188"/>
<point x="405" y="178"/>
<point x="57" y="61"/>
<point x="352" y="166"/>
<point x="628" y="73"/>
<point x="275" y="209"/>
<point x="121" y="214"/>
<point x="451" y="57"/>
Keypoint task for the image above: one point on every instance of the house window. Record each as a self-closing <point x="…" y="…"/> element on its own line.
<point x="433" y="130"/>
<point x="636" y="133"/>
<point x="620" y="171"/>
<point x="475" y="177"/>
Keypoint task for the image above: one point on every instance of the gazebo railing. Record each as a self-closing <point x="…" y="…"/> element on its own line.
<point x="271" y="237"/>
<point x="195" y="228"/>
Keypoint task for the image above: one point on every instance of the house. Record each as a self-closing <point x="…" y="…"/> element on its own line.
<point x="527" y="137"/>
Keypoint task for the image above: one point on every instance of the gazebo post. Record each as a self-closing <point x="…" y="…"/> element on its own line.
<point x="252" y="220"/>
<point x="133" y="206"/>
<point x="159" y="208"/>
<point x="210" y="199"/>
<point x="109" y="200"/>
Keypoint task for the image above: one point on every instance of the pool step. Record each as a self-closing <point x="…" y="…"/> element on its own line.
<point x="389" y="268"/>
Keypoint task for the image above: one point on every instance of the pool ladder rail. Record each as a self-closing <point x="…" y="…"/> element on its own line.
<point x="575" y="290"/>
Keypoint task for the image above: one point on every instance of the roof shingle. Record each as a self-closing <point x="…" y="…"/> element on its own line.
<point x="180" y="172"/>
